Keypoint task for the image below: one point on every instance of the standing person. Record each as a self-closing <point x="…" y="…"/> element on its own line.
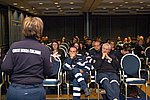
<point x="107" y="68"/>
<point x="27" y="62"/>
<point x="78" y="72"/>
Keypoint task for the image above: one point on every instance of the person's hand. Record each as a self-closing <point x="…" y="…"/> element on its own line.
<point x="81" y="71"/>
<point x="109" y="58"/>
<point x="103" y="55"/>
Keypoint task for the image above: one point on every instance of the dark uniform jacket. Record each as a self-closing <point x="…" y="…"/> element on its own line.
<point x="104" y="65"/>
<point x="27" y="62"/>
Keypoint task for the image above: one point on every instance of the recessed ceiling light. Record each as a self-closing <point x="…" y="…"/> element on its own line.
<point x="148" y="5"/>
<point x="56" y="3"/>
<point x="61" y="10"/>
<point x="142" y="7"/>
<point x="71" y="3"/>
<point x="113" y="9"/>
<point x="104" y="7"/>
<point x="129" y="7"/>
<point x="15" y="3"/>
<point x="41" y="3"/>
<point x="120" y="5"/>
<point x="71" y="8"/>
<point x="21" y="7"/>
<point x="137" y="9"/>
<point x="47" y="8"/>
<point x="141" y="2"/>
<point x="117" y="8"/>
<point x="33" y="8"/>
<point x="110" y="2"/>
<point x="126" y="2"/>
<point x="58" y="6"/>
<point x="27" y="9"/>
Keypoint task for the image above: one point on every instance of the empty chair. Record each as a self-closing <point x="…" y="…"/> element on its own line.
<point x="131" y="67"/>
<point x="56" y="80"/>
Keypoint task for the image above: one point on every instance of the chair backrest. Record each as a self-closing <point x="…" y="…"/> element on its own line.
<point x="57" y="64"/>
<point x="147" y="52"/>
<point x="131" y="64"/>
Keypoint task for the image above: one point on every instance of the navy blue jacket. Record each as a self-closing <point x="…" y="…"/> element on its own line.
<point x="27" y="62"/>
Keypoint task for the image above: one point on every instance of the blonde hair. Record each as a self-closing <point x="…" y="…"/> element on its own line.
<point x="106" y="45"/>
<point x="32" y="26"/>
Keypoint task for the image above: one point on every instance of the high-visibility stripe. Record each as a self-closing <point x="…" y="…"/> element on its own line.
<point x="80" y="79"/>
<point x="77" y="88"/>
<point x="87" y="67"/>
<point x="77" y="94"/>
<point x="68" y="66"/>
<point x="77" y="75"/>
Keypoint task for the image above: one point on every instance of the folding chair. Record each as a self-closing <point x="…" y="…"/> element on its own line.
<point x="55" y="82"/>
<point x="3" y="80"/>
<point x="131" y="66"/>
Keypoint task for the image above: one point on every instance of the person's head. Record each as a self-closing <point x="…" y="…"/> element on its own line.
<point x="126" y="49"/>
<point x="76" y="45"/>
<point x="73" y="51"/>
<point x="32" y="27"/>
<point x="113" y="45"/>
<point x="106" y="47"/>
<point x="55" y="45"/>
<point x="97" y="45"/>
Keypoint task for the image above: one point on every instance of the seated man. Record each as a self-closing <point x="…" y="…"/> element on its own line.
<point x="78" y="72"/>
<point x="107" y="68"/>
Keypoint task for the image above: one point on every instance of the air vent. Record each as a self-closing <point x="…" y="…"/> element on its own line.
<point x="50" y="13"/>
<point x="145" y="12"/>
<point x="72" y="12"/>
<point x="100" y="12"/>
<point x="122" y="12"/>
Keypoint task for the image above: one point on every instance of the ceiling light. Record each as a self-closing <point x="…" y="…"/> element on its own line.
<point x="120" y="5"/>
<point x="72" y="8"/>
<point x="113" y="9"/>
<point x="148" y="5"/>
<point x="15" y="3"/>
<point x="126" y="2"/>
<point x="40" y="3"/>
<point x="117" y="8"/>
<point x="142" y="7"/>
<point x="110" y="2"/>
<point x="141" y="2"/>
<point x="56" y="3"/>
<point x="47" y="8"/>
<point x="61" y="10"/>
<point x="137" y="9"/>
<point x="104" y="7"/>
<point x="129" y="7"/>
<point x="27" y="9"/>
<point x="71" y="3"/>
<point x="58" y="6"/>
<point x="21" y="7"/>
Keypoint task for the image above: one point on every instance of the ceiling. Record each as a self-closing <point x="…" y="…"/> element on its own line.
<point x="77" y="7"/>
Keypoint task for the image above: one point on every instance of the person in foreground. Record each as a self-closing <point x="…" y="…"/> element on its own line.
<point x="27" y="62"/>
<point x="107" y="67"/>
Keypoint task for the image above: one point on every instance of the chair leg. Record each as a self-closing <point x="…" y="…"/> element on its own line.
<point x="58" y="91"/>
<point x="146" y="86"/>
<point x="68" y="89"/>
<point x="126" y="91"/>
